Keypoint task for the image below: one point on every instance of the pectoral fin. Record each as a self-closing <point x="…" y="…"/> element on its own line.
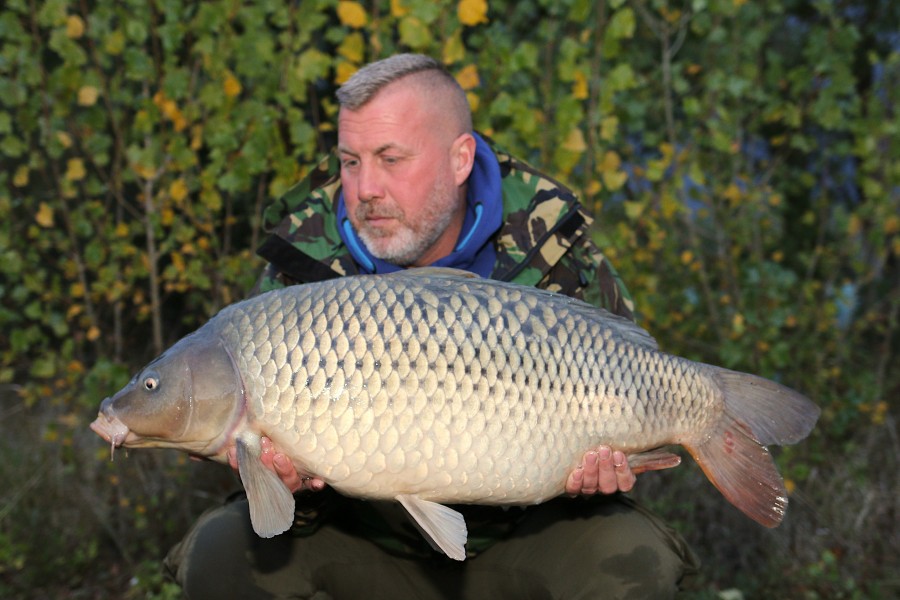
<point x="271" y="502"/>
<point x="443" y="527"/>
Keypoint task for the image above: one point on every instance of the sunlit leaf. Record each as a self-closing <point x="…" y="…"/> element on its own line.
<point x="87" y="95"/>
<point x="399" y="8"/>
<point x="178" y="190"/>
<point x="44" y="216"/>
<point x="472" y="12"/>
<point x="352" y="14"/>
<point x="74" y="27"/>
<point x="467" y="77"/>
<point x="20" y="178"/>
<point x="231" y="87"/>
<point x="575" y="142"/>
<point x="75" y="170"/>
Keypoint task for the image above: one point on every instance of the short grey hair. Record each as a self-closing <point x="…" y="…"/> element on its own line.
<point x="363" y="85"/>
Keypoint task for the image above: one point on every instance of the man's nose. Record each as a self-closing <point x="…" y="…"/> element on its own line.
<point x="369" y="185"/>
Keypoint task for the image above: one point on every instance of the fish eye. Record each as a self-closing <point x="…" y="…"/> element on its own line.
<point x="151" y="383"/>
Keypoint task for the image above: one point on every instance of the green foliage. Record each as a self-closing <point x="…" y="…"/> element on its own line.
<point x="741" y="159"/>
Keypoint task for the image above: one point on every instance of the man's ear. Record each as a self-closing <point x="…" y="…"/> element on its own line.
<point x="462" y="153"/>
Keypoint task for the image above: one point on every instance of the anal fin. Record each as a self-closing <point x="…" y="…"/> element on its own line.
<point x="443" y="527"/>
<point x="652" y="460"/>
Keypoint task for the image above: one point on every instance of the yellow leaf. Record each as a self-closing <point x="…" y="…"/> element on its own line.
<point x="633" y="209"/>
<point x="20" y="179"/>
<point x="467" y="78"/>
<point x="670" y="206"/>
<point x="64" y="139"/>
<point x="472" y="12"/>
<point x="196" y="137"/>
<point x="171" y="110"/>
<point x="609" y="127"/>
<point x="178" y="190"/>
<point x="353" y="47"/>
<point x="732" y="193"/>
<point x="167" y="216"/>
<point x="580" y="87"/>
<point x="87" y="95"/>
<point x="474" y="102"/>
<point x="454" y="49"/>
<point x="737" y="324"/>
<point x="178" y="262"/>
<point x="854" y="225"/>
<point x="575" y="141"/>
<point x="93" y="333"/>
<point x="614" y="181"/>
<point x="789" y="486"/>
<point x="611" y="162"/>
<point x="398" y="9"/>
<point x="75" y="170"/>
<point x="352" y="14"/>
<point x="344" y="72"/>
<point x="668" y="151"/>
<point x="231" y="86"/>
<point x="74" y="27"/>
<point x="892" y="225"/>
<point x="122" y="230"/>
<point x="44" y="216"/>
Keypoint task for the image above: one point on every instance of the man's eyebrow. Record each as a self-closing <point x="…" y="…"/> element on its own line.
<point x="379" y="150"/>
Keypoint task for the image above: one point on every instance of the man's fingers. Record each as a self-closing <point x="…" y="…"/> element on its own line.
<point x="624" y="477"/>
<point x="607" y="481"/>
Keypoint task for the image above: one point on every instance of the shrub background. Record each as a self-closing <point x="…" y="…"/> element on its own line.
<point x="741" y="159"/>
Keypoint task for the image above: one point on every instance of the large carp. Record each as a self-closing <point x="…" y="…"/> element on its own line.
<point x="432" y="386"/>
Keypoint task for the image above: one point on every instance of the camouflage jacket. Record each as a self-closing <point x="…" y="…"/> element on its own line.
<point x="544" y="240"/>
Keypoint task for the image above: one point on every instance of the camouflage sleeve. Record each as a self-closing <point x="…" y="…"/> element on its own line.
<point x="303" y="243"/>
<point x="269" y="279"/>
<point x="585" y="273"/>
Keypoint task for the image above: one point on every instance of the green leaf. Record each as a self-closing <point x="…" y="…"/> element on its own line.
<point x="622" y="24"/>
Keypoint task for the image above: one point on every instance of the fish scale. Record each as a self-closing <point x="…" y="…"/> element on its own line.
<point x="433" y="386"/>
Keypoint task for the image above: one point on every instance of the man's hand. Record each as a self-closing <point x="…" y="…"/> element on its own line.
<point x="601" y="471"/>
<point x="283" y="467"/>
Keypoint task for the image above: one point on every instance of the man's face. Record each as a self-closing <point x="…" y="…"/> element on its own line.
<point x="399" y="171"/>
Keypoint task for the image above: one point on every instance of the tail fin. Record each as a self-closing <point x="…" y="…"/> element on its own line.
<point x="734" y="456"/>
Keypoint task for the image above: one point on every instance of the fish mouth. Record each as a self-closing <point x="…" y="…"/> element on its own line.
<point x="113" y="431"/>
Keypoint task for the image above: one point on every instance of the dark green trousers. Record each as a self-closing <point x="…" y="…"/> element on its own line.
<point x="609" y="548"/>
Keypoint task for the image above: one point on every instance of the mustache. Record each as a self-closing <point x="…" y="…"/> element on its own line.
<point x="366" y="210"/>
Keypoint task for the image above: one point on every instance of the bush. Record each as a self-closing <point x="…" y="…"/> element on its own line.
<point x="741" y="159"/>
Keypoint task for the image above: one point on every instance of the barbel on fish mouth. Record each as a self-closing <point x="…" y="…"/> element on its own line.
<point x="433" y="386"/>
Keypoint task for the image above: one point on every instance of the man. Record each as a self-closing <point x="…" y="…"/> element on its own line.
<point x="418" y="187"/>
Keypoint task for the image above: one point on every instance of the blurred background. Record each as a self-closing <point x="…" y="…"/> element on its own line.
<point x="742" y="160"/>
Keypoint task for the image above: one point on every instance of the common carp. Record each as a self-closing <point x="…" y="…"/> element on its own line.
<point x="432" y="386"/>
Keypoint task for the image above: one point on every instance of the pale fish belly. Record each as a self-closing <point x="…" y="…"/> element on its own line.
<point x="488" y="396"/>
